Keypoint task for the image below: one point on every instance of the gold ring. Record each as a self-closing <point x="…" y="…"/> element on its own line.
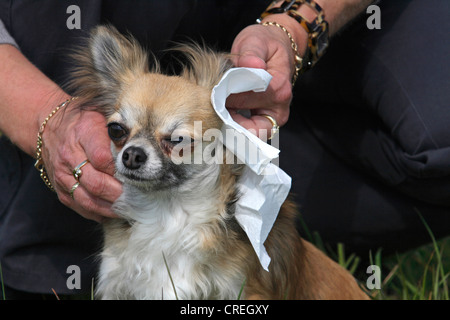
<point x="77" y="171"/>
<point x="275" y="126"/>
<point x="73" y="189"/>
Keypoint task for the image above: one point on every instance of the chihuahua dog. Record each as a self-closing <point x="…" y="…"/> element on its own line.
<point x="178" y="236"/>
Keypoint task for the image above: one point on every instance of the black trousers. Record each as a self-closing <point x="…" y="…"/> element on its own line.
<point x="368" y="139"/>
<point x="366" y="142"/>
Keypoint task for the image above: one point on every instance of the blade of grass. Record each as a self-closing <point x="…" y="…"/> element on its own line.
<point x="305" y="228"/>
<point x="403" y="292"/>
<point x="390" y="275"/>
<point x="92" y="289"/>
<point x="386" y="283"/>
<point x="444" y="283"/>
<point x="378" y="257"/>
<point x="412" y="288"/>
<point x="439" y="266"/>
<point x="424" y="277"/>
<point x="317" y="241"/>
<point x="444" y="276"/>
<point x="3" y="285"/>
<point x="341" y="254"/>
<point x="354" y="265"/>
<point x="56" y="295"/>
<point x="242" y="289"/>
<point x="170" y="276"/>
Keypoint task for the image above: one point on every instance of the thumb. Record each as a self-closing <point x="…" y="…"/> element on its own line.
<point x="248" y="50"/>
<point x="250" y="59"/>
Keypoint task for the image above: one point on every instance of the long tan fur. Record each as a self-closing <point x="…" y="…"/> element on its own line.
<point x="114" y="76"/>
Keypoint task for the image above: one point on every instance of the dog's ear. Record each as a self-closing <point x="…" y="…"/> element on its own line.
<point x="204" y="67"/>
<point x="110" y="63"/>
<point x="116" y="57"/>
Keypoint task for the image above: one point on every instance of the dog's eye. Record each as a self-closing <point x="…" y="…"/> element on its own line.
<point x="178" y="140"/>
<point x="116" y="131"/>
<point x="175" y="140"/>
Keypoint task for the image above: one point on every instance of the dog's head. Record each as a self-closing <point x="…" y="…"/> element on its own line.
<point x="156" y="122"/>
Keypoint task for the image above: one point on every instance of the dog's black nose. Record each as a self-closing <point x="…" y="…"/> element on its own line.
<point x="133" y="158"/>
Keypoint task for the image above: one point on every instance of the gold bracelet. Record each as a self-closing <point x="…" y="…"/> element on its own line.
<point x="39" y="164"/>
<point x="298" y="61"/>
<point x="317" y="29"/>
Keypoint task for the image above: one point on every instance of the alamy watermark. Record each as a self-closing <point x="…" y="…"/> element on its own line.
<point x="373" y="281"/>
<point x="74" y="280"/>
<point x="374" y="20"/>
<point x="74" y="19"/>
<point x="208" y="146"/>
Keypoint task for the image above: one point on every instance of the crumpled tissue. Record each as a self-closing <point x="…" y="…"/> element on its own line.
<point x="263" y="186"/>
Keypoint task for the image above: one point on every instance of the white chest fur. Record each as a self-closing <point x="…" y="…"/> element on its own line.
<point x="178" y="227"/>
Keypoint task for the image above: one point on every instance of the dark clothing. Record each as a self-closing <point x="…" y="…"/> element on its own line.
<point x="366" y="144"/>
<point x="39" y="237"/>
<point x="371" y="129"/>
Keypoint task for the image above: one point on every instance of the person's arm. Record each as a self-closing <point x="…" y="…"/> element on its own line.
<point x="27" y="97"/>
<point x="337" y="13"/>
<point x="269" y="47"/>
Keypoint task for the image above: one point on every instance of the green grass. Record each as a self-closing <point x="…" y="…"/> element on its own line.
<point x="419" y="274"/>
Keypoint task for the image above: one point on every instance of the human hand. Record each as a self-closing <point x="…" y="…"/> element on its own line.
<point x="268" y="48"/>
<point x="70" y="137"/>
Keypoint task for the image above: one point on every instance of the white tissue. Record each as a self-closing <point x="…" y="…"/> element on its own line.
<point x="263" y="186"/>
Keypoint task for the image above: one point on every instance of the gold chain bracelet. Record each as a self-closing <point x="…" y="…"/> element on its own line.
<point x="317" y="29"/>
<point x="297" y="59"/>
<point x="39" y="164"/>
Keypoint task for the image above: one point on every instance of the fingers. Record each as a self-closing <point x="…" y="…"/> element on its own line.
<point x="95" y="142"/>
<point x="92" y="196"/>
<point x="82" y="136"/>
<point x="99" y="184"/>
<point x="273" y="102"/>
<point x="258" y="125"/>
<point x="262" y="47"/>
<point x="249" y="50"/>
<point x="92" y="201"/>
